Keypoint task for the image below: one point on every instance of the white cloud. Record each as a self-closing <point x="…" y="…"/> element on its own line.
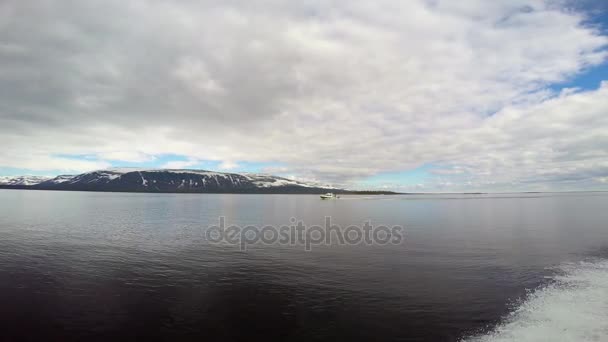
<point x="180" y="164"/>
<point x="333" y="91"/>
<point x="54" y="164"/>
<point x="228" y="165"/>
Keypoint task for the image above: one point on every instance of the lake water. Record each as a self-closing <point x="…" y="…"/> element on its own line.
<point x="99" y="266"/>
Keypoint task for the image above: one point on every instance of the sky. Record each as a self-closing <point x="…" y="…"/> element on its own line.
<point x="419" y="95"/>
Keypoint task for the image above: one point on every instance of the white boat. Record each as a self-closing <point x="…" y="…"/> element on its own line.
<point x="329" y="195"/>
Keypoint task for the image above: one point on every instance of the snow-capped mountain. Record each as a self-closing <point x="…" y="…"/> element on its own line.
<point x="22" y="180"/>
<point x="162" y="180"/>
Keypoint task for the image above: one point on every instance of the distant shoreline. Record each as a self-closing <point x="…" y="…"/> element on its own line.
<point x="244" y="192"/>
<point x="340" y="192"/>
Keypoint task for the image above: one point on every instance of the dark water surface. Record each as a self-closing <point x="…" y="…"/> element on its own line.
<point x="99" y="266"/>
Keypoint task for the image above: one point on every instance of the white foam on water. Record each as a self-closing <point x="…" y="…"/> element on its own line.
<point x="573" y="308"/>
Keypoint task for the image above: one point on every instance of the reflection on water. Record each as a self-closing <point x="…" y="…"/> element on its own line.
<point x="105" y="265"/>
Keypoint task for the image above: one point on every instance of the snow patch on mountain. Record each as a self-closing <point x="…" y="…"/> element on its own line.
<point x="124" y="170"/>
<point x="60" y="179"/>
<point x="265" y="181"/>
<point x="22" y="180"/>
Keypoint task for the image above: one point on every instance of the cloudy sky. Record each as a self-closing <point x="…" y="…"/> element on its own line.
<point x="419" y="95"/>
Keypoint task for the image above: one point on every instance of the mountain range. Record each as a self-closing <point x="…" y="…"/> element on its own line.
<point x="168" y="181"/>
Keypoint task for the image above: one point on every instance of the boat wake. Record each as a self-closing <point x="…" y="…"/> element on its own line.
<point x="573" y="307"/>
